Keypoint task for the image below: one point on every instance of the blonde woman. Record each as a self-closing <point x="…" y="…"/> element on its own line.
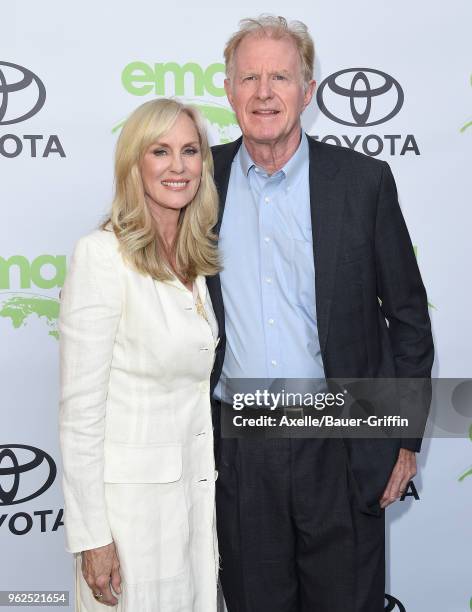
<point x="138" y="341"/>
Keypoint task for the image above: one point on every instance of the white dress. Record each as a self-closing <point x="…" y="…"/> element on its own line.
<point x="136" y="430"/>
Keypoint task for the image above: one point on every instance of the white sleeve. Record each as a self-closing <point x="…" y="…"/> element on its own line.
<point x="89" y="316"/>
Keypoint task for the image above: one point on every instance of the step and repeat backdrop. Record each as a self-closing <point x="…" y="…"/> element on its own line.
<point x="70" y="73"/>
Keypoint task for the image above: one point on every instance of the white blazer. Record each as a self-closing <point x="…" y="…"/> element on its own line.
<point x="136" y="430"/>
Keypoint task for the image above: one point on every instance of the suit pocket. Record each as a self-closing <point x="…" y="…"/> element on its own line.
<point x="125" y="463"/>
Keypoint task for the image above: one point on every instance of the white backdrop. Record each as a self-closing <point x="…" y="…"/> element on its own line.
<point x="56" y="185"/>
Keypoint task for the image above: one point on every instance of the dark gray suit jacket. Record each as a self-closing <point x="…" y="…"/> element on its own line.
<point x="366" y="275"/>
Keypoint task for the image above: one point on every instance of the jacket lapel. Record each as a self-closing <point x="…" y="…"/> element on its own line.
<point x="223" y="156"/>
<point x="327" y="205"/>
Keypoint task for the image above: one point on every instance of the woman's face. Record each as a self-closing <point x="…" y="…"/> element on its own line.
<point x="171" y="168"/>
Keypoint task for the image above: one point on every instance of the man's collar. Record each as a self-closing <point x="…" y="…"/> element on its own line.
<point x="292" y="169"/>
<point x="245" y="159"/>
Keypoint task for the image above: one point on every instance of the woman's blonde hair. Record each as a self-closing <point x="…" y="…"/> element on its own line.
<point x="274" y="27"/>
<point x="141" y="244"/>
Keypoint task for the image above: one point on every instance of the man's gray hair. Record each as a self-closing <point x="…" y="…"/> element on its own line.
<point x="274" y="27"/>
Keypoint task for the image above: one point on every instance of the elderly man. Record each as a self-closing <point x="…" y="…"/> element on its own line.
<point x="320" y="280"/>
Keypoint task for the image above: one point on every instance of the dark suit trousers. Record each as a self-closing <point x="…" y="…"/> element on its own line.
<point x="291" y="535"/>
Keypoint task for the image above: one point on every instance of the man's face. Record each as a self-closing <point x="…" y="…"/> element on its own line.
<point x="266" y="89"/>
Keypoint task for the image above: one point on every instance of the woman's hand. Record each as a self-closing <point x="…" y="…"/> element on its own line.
<point x="101" y="567"/>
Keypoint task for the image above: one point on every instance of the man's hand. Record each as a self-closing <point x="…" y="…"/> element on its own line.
<point x="100" y="567"/>
<point x="402" y="473"/>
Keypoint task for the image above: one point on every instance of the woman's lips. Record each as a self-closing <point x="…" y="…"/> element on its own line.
<point x="175" y="185"/>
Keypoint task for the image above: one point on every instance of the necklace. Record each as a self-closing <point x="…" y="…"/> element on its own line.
<point x="200" y="308"/>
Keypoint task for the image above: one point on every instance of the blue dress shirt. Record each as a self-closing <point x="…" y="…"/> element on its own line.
<point x="268" y="277"/>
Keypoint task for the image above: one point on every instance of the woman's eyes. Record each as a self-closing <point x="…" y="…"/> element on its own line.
<point x="186" y="151"/>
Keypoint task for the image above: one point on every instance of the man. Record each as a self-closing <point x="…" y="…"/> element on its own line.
<point x="319" y="280"/>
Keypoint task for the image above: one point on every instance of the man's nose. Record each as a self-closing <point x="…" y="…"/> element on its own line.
<point x="264" y="89"/>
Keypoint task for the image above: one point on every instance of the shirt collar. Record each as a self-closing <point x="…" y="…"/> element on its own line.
<point x="292" y="170"/>
<point x="245" y="159"/>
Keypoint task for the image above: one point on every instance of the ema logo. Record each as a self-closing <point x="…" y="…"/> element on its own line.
<point x="26" y="472"/>
<point x="361" y="88"/>
<point x="22" y="95"/>
<point x="44" y="272"/>
<point x="139" y="78"/>
<point x="191" y="82"/>
<point x="393" y="605"/>
<point x="360" y="98"/>
<point x="11" y="467"/>
<point x="33" y="101"/>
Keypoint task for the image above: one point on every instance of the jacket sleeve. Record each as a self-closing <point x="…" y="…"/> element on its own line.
<point x="88" y="322"/>
<point x="404" y="305"/>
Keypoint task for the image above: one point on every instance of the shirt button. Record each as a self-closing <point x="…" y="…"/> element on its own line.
<point x="266" y="199"/>
<point x="273" y="362"/>
<point x="268" y="280"/>
<point x="271" y="321"/>
<point x="267" y="239"/>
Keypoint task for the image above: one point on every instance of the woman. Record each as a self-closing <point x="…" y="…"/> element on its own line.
<point x="138" y="338"/>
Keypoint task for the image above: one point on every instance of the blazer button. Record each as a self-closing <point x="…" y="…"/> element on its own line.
<point x="204" y="387"/>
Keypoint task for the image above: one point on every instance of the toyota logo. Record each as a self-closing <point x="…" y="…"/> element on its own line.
<point x="21" y="88"/>
<point x="393" y="605"/>
<point x="360" y="97"/>
<point x="11" y="469"/>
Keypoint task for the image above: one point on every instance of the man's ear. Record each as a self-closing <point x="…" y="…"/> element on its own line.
<point x="229" y="94"/>
<point x="310" y="90"/>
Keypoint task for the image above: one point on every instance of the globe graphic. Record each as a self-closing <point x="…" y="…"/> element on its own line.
<point x="19" y="308"/>
<point x="221" y="121"/>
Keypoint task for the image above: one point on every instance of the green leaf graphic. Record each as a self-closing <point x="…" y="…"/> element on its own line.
<point x="465" y="474"/>
<point x="469" y="123"/>
<point x="118" y="126"/>
<point x="469" y="471"/>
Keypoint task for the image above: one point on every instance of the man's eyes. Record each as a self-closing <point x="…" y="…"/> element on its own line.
<point x="274" y="77"/>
